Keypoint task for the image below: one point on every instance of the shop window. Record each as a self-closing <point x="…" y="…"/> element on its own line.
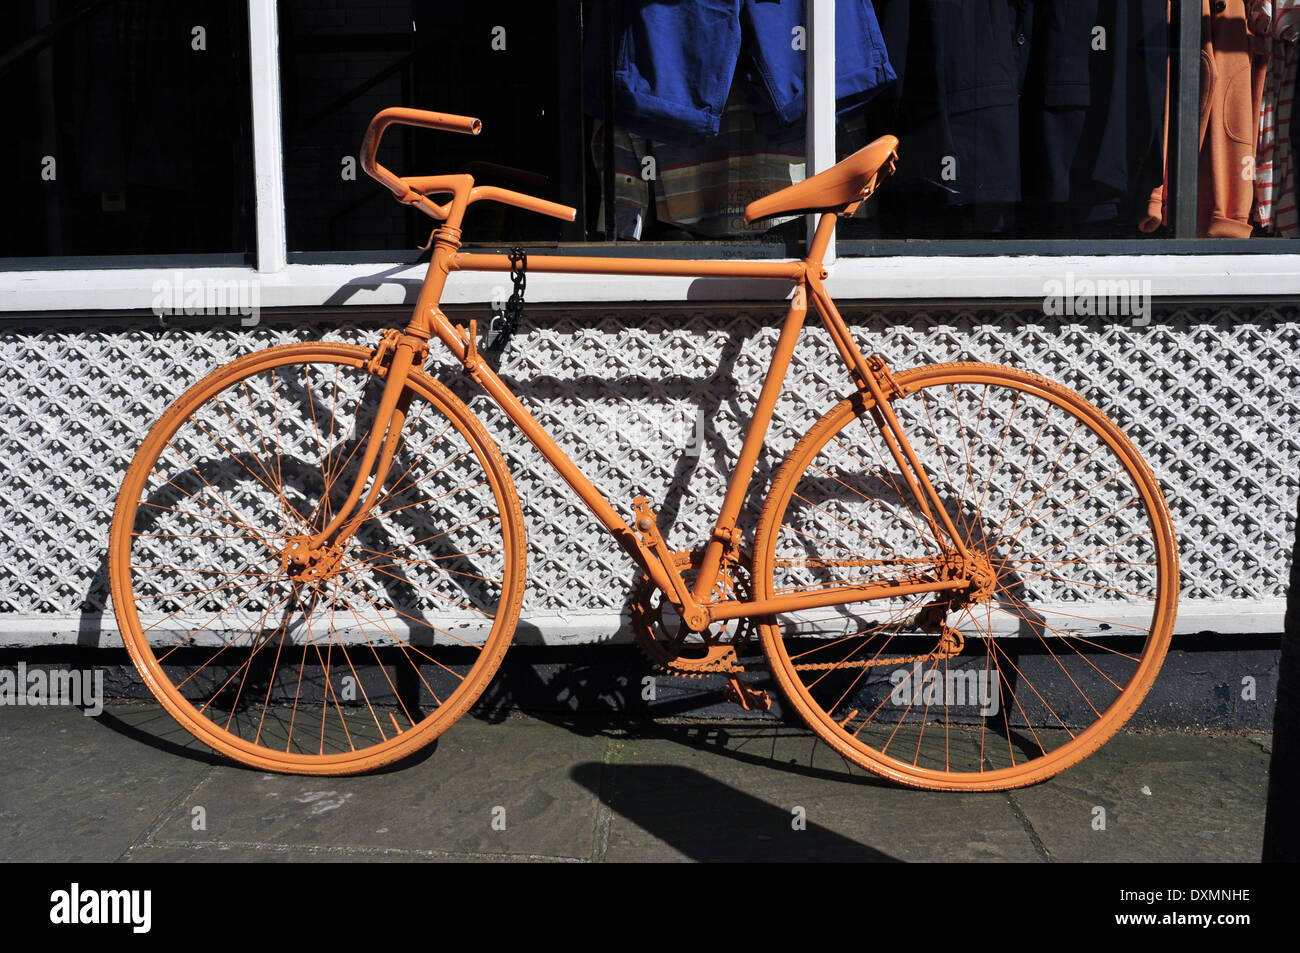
<point x="127" y="129"/>
<point x="533" y="73"/>
<point x="1024" y="127"/>
<point x="511" y="65"/>
<point x="1019" y="119"/>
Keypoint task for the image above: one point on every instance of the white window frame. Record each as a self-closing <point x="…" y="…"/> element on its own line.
<point x="885" y="278"/>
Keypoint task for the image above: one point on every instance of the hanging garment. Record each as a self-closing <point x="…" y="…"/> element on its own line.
<point x="1275" y="200"/>
<point x="675" y="61"/>
<point x="1054" y="104"/>
<point x="1234" y="60"/>
<point x="700" y="187"/>
<point x="955" y="107"/>
<point x="1091" y="110"/>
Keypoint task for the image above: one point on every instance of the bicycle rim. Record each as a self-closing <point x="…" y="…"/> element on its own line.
<point x="1045" y="656"/>
<point x="361" y="656"/>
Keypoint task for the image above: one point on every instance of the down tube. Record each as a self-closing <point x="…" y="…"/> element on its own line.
<point x="495" y="388"/>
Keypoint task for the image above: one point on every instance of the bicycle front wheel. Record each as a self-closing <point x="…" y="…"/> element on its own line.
<point x="367" y="651"/>
<point x="1073" y="587"/>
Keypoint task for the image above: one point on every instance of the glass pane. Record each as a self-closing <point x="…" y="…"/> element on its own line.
<point x="1017" y="120"/>
<point x="128" y="128"/>
<point x="708" y="103"/>
<point x="707" y="117"/>
<point x="1246" y="177"/>
<point x="341" y="63"/>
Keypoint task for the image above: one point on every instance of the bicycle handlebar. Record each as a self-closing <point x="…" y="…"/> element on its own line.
<point x="409" y="117"/>
<point x="411" y="190"/>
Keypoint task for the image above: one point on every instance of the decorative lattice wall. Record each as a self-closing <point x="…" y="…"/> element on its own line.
<point x="653" y="401"/>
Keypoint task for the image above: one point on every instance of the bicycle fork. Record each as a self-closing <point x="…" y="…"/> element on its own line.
<point x="316" y="556"/>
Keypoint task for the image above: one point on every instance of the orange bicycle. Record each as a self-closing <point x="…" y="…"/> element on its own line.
<point x="963" y="577"/>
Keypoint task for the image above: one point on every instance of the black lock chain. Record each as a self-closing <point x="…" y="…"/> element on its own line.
<point x="505" y="322"/>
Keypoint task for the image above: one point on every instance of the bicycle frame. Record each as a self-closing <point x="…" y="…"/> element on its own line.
<point x="401" y="350"/>
<point x="342" y="640"/>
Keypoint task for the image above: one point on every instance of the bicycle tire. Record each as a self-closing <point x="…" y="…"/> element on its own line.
<point x="1078" y="569"/>
<point x="395" y="639"/>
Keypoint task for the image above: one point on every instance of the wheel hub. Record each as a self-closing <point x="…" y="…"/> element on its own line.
<point x="306" y="563"/>
<point x="978" y="568"/>
<point x="983" y="577"/>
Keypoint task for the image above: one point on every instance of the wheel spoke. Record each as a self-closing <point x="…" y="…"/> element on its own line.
<point x="1029" y="668"/>
<point x="332" y="656"/>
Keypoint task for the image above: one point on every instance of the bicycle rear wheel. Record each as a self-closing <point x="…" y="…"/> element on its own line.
<point x="373" y="649"/>
<point x="1073" y="556"/>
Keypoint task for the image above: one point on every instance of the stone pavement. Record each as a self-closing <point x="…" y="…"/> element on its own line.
<point x="132" y="786"/>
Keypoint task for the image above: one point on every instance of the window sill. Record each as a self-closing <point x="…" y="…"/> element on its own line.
<point x="886" y="279"/>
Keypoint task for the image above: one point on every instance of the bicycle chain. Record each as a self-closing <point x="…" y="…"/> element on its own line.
<point x="870" y="663"/>
<point x="951" y="643"/>
<point x="647" y="620"/>
<point x="725" y="664"/>
<point x="728" y="663"/>
<point x="722" y="658"/>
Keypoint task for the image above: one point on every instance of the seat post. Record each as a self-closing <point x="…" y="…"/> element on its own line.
<point x="822" y="237"/>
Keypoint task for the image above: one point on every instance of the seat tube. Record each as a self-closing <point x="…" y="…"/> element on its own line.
<point x="753" y="444"/>
<point x="821" y="241"/>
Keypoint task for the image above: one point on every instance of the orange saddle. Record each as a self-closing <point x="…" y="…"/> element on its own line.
<point x="842" y="186"/>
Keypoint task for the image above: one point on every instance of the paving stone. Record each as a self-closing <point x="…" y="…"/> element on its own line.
<point x="77" y="788"/>
<point x="454" y="796"/>
<point x="1167" y="797"/>
<point x="731" y="793"/>
<point x="124" y="786"/>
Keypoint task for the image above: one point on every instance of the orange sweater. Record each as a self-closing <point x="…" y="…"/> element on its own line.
<point x="1233" y="61"/>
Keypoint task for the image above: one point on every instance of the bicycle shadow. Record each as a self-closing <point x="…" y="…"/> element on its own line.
<point x="771" y="292"/>
<point x="151" y="726"/>
<point x="387" y="278"/>
<point x="703" y="819"/>
<point x="716" y="398"/>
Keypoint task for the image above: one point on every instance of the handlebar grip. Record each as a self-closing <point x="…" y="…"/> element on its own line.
<point x="426" y="119"/>
<point x="491" y="193"/>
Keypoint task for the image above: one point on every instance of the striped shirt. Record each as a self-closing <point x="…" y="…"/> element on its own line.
<point x="1275" y="173"/>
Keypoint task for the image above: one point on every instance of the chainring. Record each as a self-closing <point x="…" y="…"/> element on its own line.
<point x="666" y="640"/>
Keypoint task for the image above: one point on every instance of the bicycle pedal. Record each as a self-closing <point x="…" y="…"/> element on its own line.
<point x="746" y="697"/>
